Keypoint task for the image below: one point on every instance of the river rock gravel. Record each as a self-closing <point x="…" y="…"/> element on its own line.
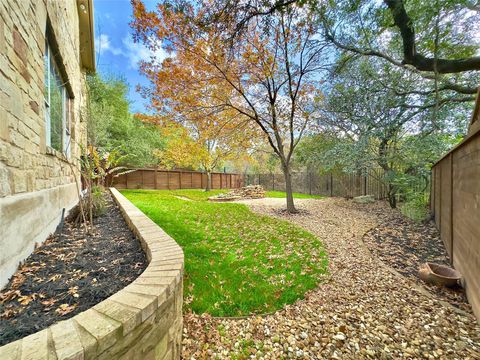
<point x="362" y="311"/>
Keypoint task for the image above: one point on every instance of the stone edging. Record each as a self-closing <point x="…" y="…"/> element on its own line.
<point x="141" y="321"/>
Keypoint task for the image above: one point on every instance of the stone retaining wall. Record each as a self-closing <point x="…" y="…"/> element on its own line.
<point x="142" y="321"/>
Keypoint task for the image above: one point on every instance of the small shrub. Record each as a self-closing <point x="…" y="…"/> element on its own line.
<point x="416" y="207"/>
<point x="99" y="204"/>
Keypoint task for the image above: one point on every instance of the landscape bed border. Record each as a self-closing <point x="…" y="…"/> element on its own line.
<point x="141" y="321"/>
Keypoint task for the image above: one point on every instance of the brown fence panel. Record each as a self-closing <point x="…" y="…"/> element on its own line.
<point x="445" y="204"/>
<point x="148" y="179"/>
<point x="162" y="180"/>
<point x="133" y="180"/>
<point x="197" y="181"/>
<point x="455" y="204"/>
<point x="216" y="184"/>
<point x="175" y="179"/>
<point x="186" y="180"/>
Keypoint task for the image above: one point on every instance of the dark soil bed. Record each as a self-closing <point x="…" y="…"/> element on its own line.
<point x="405" y="245"/>
<point x="66" y="276"/>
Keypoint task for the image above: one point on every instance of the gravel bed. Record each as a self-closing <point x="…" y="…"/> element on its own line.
<point x="362" y="311"/>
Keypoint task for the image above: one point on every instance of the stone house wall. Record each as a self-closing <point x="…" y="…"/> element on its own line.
<point x="36" y="182"/>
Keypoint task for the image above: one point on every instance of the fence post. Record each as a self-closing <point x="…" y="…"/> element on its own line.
<point x="440" y="197"/>
<point x="365" y="184"/>
<point x="331" y="184"/>
<point x="155" y="179"/>
<point x="180" y="179"/>
<point x="310" y="183"/>
<point x="273" y="181"/>
<point x="451" y="208"/>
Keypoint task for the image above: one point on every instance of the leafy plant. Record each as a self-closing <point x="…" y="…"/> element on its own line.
<point x="101" y="166"/>
<point x="99" y="204"/>
<point x="416" y="207"/>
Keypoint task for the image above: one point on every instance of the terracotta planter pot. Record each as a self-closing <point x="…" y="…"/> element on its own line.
<point x="439" y="274"/>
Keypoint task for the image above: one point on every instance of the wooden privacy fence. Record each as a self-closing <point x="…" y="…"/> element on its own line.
<point x="332" y="184"/>
<point x="455" y="204"/>
<point x="175" y="179"/>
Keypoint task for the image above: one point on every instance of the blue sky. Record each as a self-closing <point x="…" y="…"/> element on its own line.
<point x="116" y="53"/>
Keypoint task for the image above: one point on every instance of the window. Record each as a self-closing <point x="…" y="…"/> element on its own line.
<point x="57" y="106"/>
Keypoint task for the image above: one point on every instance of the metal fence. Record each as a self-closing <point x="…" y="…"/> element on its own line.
<point x="331" y="184"/>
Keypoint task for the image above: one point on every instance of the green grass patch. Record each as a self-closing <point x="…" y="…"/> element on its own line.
<point x="236" y="262"/>
<point x="282" y="194"/>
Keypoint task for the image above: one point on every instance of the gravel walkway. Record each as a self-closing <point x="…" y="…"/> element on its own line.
<point x="363" y="310"/>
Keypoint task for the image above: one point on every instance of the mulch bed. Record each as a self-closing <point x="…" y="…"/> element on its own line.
<point x="405" y="245"/>
<point x="65" y="276"/>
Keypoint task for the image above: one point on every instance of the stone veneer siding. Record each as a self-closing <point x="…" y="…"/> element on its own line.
<point x="142" y="321"/>
<point x="36" y="182"/>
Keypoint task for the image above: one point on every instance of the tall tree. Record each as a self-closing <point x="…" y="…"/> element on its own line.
<point x="203" y="144"/>
<point x="413" y="21"/>
<point x="111" y="126"/>
<point x="374" y="106"/>
<point x="268" y="77"/>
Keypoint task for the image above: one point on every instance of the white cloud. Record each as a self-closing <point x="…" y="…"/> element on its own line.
<point x="133" y="52"/>
<point x="103" y="45"/>
<point x="136" y="52"/>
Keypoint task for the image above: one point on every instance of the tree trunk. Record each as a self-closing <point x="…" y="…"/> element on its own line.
<point x="209" y="181"/>
<point x="391" y="194"/>
<point x="289" y="190"/>
<point x="388" y="172"/>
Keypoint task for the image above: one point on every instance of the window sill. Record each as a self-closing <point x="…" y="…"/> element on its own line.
<point x="59" y="155"/>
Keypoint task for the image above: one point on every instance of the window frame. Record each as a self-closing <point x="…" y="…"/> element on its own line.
<point x="66" y="103"/>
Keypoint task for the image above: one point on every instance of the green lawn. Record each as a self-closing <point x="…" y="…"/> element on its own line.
<point x="282" y="194"/>
<point x="236" y="262"/>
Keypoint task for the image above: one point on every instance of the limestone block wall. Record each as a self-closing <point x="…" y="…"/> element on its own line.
<point x="36" y="182"/>
<point x="142" y="321"/>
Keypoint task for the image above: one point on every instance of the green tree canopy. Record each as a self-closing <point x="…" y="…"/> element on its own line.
<point x="111" y="126"/>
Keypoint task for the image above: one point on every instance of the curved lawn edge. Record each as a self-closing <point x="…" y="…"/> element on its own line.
<point x="238" y="262"/>
<point x="144" y="318"/>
